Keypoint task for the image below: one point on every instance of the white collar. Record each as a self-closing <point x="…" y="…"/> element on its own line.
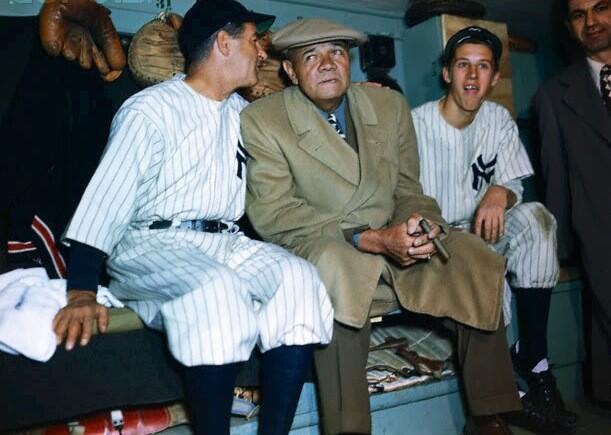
<point x="595" y="67"/>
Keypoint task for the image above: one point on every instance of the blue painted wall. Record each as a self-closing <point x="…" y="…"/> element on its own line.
<point x="415" y="72"/>
<point x="130" y="15"/>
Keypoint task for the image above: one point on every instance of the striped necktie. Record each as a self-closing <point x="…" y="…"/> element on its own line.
<point x="333" y="121"/>
<point x="605" y="86"/>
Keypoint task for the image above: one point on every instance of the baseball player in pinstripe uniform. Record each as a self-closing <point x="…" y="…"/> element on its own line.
<point x="472" y="162"/>
<point x="161" y="207"/>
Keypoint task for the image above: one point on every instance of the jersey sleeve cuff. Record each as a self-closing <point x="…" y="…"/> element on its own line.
<point x="84" y="267"/>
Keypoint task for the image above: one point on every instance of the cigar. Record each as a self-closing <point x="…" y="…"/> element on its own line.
<point x="438" y="245"/>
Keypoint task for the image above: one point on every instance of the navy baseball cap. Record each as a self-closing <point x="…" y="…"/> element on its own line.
<point x="208" y="16"/>
<point x="473" y="34"/>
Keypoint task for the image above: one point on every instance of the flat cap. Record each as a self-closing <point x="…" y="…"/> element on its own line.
<point x="313" y="31"/>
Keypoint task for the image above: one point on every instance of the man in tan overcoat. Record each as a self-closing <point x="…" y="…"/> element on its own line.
<point x="342" y="191"/>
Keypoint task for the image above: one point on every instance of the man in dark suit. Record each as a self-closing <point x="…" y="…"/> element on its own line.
<point x="574" y="111"/>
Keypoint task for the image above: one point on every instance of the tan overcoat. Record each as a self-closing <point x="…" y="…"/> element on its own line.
<point x="306" y="186"/>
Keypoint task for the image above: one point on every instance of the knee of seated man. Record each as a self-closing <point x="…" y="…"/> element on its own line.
<point x="539" y="218"/>
<point x="335" y="252"/>
<point x="298" y="269"/>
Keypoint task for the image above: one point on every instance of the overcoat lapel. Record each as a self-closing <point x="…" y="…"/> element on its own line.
<point x="318" y="139"/>
<point x="583" y="98"/>
<point x="371" y="140"/>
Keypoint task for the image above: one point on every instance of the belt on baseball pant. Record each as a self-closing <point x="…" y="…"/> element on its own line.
<point x="207" y="226"/>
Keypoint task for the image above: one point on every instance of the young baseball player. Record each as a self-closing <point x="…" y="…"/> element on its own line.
<point x="161" y="208"/>
<point x="472" y="162"/>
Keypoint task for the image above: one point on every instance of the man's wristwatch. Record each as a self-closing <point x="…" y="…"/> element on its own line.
<point x="356" y="240"/>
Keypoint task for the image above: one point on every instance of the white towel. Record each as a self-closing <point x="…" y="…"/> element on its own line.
<point x="29" y="301"/>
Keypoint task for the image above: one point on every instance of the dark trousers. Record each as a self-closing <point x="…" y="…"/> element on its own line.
<point x="595" y="258"/>
<point x="483" y="357"/>
<point x="599" y="358"/>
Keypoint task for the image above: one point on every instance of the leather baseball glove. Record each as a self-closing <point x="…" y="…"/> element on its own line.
<point x="154" y="54"/>
<point x="83" y="30"/>
<point x="271" y="77"/>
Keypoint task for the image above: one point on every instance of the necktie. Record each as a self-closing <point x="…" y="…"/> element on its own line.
<point x="605" y="85"/>
<point x="333" y="121"/>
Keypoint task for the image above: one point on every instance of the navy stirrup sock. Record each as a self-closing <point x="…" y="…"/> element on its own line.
<point x="209" y="391"/>
<point x="284" y="371"/>
<point x="533" y="311"/>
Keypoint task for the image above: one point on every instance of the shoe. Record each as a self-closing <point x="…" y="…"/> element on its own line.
<point x="486" y="425"/>
<point x="543" y="393"/>
<point x="545" y="397"/>
<point x="535" y="419"/>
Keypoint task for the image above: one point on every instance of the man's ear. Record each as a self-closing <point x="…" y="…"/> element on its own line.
<point x="446" y="75"/>
<point x="288" y="69"/>
<point x="222" y="42"/>
<point x="495" y="79"/>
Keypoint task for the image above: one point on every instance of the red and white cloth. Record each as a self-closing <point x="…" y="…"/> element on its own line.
<point x="43" y="244"/>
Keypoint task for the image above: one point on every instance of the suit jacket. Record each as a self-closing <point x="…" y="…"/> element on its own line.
<point x="307" y="186"/>
<point x="575" y="132"/>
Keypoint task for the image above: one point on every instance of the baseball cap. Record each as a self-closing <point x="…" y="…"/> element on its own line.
<point x="473" y="34"/>
<point x="207" y="16"/>
<point x="309" y="31"/>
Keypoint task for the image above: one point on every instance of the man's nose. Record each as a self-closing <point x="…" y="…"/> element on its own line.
<point x="326" y="62"/>
<point x="473" y="71"/>
<point x="591" y="18"/>
<point x="261" y="53"/>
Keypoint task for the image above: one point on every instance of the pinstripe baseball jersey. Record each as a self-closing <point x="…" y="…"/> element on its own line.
<point x="174" y="154"/>
<point x="457" y="166"/>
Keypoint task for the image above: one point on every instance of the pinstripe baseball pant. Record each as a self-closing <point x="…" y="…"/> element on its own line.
<point x="529" y="244"/>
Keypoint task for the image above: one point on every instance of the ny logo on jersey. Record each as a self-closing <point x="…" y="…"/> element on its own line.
<point x="241" y="156"/>
<point x="482" y="170"/>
